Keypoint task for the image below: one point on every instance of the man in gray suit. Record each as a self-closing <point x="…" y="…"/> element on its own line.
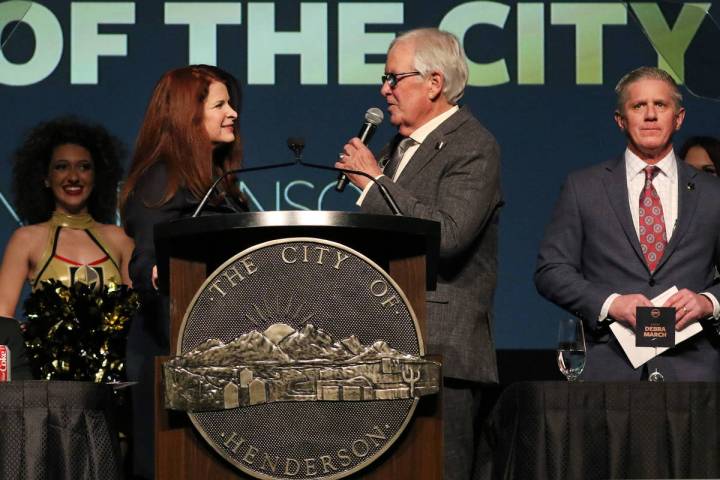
<point x="443" y="165"/>
<point x="628" y="229"/>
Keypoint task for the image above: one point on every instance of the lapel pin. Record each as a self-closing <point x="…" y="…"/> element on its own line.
<point x="439" y="145"/>
<point x="691" y="186"/>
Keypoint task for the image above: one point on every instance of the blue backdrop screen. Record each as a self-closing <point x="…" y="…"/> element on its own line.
<point x="541" y="79"/>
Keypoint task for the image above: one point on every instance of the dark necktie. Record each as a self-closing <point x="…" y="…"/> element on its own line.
<point x="392" y="165"/>
<point x="653" y="238"/>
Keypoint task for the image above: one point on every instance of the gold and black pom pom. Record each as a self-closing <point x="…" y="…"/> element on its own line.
<point x="77" y="332"/>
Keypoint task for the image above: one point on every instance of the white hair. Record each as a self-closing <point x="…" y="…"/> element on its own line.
<point x="439" y="51"/>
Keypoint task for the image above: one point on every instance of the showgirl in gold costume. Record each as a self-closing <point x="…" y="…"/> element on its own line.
<point x="101" y="271"/>
<point x="65" y="179"/>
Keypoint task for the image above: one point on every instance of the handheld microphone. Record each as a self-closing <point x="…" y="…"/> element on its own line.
<point x="373" y="118"/>
<point x="297" y="144"/>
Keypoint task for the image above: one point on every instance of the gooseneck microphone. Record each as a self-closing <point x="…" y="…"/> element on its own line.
<point x="214" y="185"/>
<point x="373" y="118"/>
<point x="297" y="144"/>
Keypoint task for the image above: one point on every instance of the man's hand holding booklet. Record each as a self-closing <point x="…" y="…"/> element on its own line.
<point x="657" y="331"/>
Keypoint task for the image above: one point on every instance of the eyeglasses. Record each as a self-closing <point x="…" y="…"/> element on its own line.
<point x="392" y="79"/>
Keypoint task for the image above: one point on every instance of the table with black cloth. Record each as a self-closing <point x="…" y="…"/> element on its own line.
<point x="58" y="430"/>
<point x="560" y="430"/>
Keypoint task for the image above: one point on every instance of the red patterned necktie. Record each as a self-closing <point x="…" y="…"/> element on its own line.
<point x="653" y="238"/>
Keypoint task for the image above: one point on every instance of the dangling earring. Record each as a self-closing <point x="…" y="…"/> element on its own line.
<point x="47" y="184"/>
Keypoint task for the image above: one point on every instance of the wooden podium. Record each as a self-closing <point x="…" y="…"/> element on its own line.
<point x="188" y="250"/>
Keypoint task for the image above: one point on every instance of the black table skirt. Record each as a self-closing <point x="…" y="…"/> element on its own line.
<point x="560" y="430"/>
<point x="58" y="430"/>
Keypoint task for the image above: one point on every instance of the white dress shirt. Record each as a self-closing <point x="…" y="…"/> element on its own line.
<point x="665" y="183"/>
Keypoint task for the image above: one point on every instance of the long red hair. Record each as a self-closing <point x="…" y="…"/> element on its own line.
<point x="173" y="132"/>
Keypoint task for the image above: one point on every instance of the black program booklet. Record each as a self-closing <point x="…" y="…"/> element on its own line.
<point x="655" y="327"/>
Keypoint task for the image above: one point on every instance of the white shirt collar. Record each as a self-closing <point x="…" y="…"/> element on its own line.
<point x="635" y="166"/>
<point x="421" y="133"/>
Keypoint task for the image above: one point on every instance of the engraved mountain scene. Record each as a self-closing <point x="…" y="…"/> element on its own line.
<point x="284" y="364"/>
<point x="312" y="344"/>
<point x="250" y="347"/>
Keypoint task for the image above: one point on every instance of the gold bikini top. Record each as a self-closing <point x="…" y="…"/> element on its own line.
<point x="102" y="271"/>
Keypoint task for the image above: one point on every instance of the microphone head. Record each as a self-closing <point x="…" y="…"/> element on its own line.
<point x="296" y="144"/>
<point x="374" y="115"/>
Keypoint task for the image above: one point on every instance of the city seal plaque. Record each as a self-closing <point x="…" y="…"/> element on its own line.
<point x="300" y="358"/>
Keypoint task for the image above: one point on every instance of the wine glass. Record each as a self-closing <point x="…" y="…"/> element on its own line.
<point x="571" y="348"/>
<point x="656" y="376"/>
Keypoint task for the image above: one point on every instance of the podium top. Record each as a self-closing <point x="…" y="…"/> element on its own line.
<point x="205" y="237"/>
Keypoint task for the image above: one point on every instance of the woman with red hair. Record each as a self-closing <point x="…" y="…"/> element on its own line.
<point x="189" y="136"/>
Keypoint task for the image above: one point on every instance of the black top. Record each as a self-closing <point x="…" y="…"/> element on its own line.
<point x="142" y="213"/>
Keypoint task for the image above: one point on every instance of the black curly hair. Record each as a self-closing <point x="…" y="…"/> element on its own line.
<point x="36" y="204"/>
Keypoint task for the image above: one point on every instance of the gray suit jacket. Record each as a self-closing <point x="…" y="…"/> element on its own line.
<point x="454" y="178"/>
<point x="591" y="250"/>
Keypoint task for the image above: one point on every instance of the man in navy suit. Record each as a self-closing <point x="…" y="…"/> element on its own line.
<point x="628" y="229"/>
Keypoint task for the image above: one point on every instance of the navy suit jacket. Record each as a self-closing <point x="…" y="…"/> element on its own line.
<point x="591" y="250"/>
